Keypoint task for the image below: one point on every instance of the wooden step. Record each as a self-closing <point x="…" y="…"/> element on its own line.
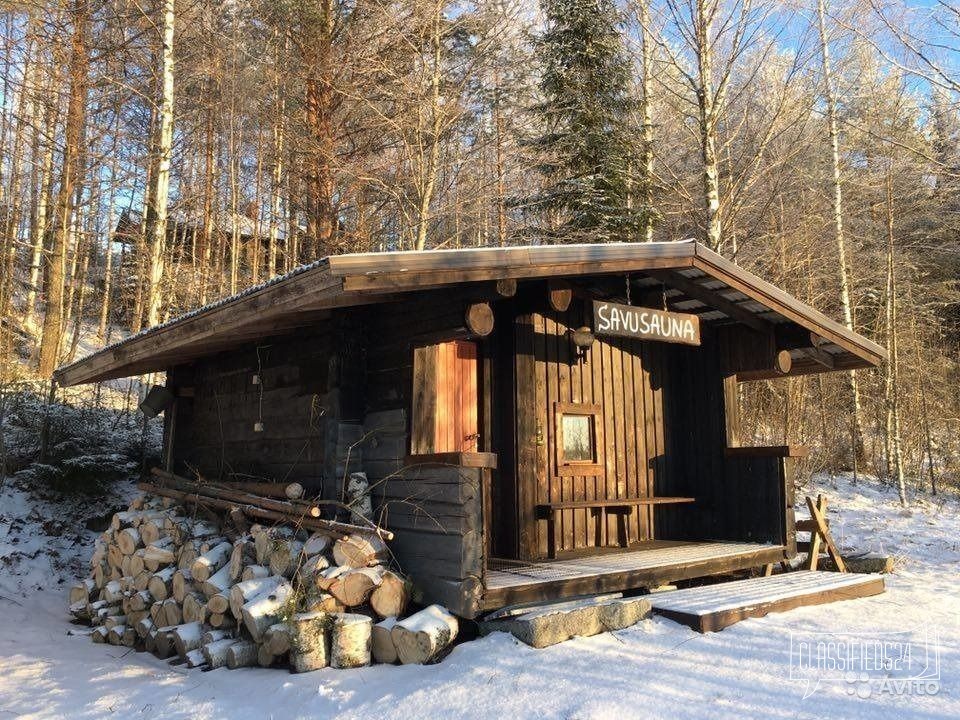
<point x="714" y="607"/>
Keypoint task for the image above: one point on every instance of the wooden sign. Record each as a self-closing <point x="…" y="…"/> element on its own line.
<point x="616" y="320"/>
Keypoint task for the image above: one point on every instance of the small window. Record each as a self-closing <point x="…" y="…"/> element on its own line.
<point x="578" y="442"/>
<point x="579" y="439"/>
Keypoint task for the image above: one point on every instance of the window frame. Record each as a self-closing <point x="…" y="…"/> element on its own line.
<point x="576" y="468"/>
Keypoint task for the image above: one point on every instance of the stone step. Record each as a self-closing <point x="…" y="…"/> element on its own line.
<point x="544" y="625"/>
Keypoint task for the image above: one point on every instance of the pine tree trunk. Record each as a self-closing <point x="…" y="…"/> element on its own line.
<point x="430" y="157"/>
<point x="70" y="176"/>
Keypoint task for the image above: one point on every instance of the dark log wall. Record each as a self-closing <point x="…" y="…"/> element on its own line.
<point x="434" y="511"/>
<point x="738" y="498"/>
<point x="310" y="385"/>
<point x="626" y="378"/>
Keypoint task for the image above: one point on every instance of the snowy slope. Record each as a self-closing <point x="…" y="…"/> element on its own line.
<point x="655" y="669"/>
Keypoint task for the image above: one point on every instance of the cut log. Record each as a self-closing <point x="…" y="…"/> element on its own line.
<point x="150" y="641"/>
<point x="144" y="627"/>
<point x="163" y="643"/>
<point x="123" y="520"/>
<point x="136" y="562"/>
<point x="313" y="565"/>
<point x="194" y="608"/>
<point x="151" y="530"/>
<point x="186" y="637"/>
<point x="263" y="542"/>
<point x="112" y="592"/>
<point x="316" y="544"/>
<point x="350" y="640"/>
<point x="261" y="612"/>
<point x="115" y="634"/>
<point x="242" y="654"/>
<point x="219" y="603"/>
<point x="355" y="587"/>
<point x="159" y="554"/>
<point x="141" y="600"/>
<point x="172" y="612"/>
<point x="479" y="318"/>
<point x="244" y="552"/>
<point x="128" y="540"/>
<point x="252" y="572"/>
<point x="265" y="658"/>
<point x="181" y="584"/>
<point x="309" y="642"/>
<point x="420" y="637"/>
<point x="217" y="583"/>
<point x="157" y="614"/>
<point x="239" y="520"/>
<point x="277" y="638"/>
<point x="360" y="551"/>
<point x="142" y="581"/>
<point x="99" y="634"/>
<point x="101" y="574"/>
<point x="319" y="601"/>
<point x="298" y="515"/>
<point x="160" y="583"/>
<point x="215" y="652"/>
<point x="285" y="557"/>
<point x="211" y="561"/>
<point x="243" y="592"/>
<point x="82" y="591"/>
<point x="210" y="636"/>
<point x="218" y="620"/>
<point x="381" y="641"/>
<point x="327" y="577"/>
<point x="195" y="658"/>
<point x="390" y="597"/>
<point x="112" y="621"/>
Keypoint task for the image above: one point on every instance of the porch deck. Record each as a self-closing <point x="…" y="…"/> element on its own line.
<point x="509" y="581"/>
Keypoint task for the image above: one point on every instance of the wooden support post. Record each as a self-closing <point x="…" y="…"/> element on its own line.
<point x="817" y="512"/>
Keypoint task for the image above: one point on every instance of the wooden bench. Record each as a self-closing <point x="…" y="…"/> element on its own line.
<point x="550" y="512"/>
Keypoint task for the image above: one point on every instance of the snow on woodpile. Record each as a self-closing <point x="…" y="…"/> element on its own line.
<point x="211" y="590"/>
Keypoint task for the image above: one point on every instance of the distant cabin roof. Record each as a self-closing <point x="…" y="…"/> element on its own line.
<point x="697" y="280"/>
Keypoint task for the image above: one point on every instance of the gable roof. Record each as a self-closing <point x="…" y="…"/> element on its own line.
<point x="699" y="280"/>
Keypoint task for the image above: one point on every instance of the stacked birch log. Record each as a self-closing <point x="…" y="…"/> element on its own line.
<point x="225" y="593"/>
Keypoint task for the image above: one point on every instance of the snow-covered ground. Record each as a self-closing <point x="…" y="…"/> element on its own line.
<point x="655" y="669"/>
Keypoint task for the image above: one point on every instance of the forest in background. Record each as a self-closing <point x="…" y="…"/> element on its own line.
<point x="157" y="156"/>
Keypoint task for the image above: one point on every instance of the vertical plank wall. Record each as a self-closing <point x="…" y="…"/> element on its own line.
<point x="626" y="378"/>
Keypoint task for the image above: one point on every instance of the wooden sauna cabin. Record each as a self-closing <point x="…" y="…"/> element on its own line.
<point x="535" y="422"/>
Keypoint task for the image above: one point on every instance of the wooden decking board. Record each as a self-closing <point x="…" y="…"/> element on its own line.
<point x="679" y="554"/>
<point x="714" y="607"/>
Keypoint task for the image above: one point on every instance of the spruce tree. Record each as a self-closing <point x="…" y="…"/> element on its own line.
<point x="585" y="149"/>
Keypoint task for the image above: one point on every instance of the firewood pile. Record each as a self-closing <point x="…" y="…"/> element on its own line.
<point x="185" y="573"/>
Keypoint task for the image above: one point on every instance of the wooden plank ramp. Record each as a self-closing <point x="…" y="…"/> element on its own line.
<point x="714" y="607"/>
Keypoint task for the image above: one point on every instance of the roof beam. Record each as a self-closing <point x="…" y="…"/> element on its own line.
<point x="712" y="298"/>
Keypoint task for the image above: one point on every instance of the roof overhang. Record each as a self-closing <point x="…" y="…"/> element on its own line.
<point x="699" y="280"/>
